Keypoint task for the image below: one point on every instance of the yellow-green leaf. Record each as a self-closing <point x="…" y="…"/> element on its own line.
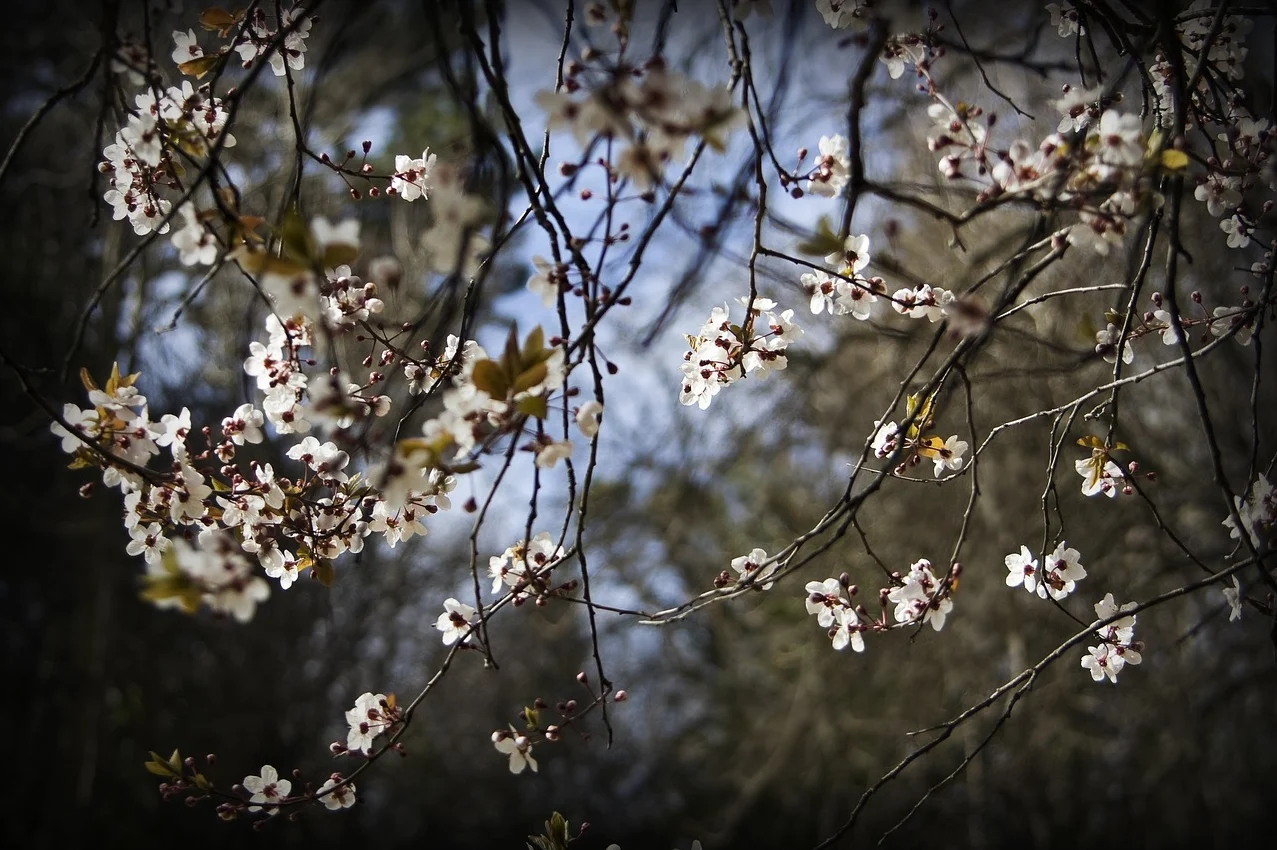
<point x="529" y="378"/>
<point x="324" y="572"/>
<point x="261" y="262"/>
<point x="298" y="243"/>
<point x="219" y="20"/>
<point x="199" y="66"/>
<point x="489" y="377"/>
<point x="534" y="344"/>
<point x="1173" y="160"/>
<point x="339" y="255"/>
<point x="533" y="405"/>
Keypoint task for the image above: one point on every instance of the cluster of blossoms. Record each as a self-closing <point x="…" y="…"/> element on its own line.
<point x="373" y="715"/>
<point x="1099" y="159"/>
<point x="266" y="791"/>
<point x="490" y="398"/>
<point x="912" y="447"/>
<point x="142" y="161"/>
<point x="1058" y="578"/>
<point x="1237" y="320"/>
<point x="831" y="170"/>
<point x="187" y="122"/>
<point x="196" y="525"/>
<point x="845" y="14"/>
<point x="921" y="597"/>
<point x="269" y="793"/>
<point x="835" y="613"/>
<point x="257" y="36"/>
<point x="918" y="596"/>
<point x="849" y="292"/>
<point x="652" y="110"/>
<point x="1117" y="647"/>
<point x="721" y="353"/>
<point x="525" y="569"/>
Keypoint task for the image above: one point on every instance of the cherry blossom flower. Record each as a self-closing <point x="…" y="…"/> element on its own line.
<point x="1106" y="345"/>
<point x="853" y="257"/>
<point x="751" y="570"/>
<point x="1078" y="106"/>
<point x="195" y="242"/>
<point x="549" y="454"/>
<point x="1231" y="317"/>
<point x="1121" y="139"/>
<point x="847" y="630"/>
<point x="1257" y="509"/>
<point x="949" y="456"/>
<point x="411" y="179"/>
<point x="833" y="167"/>
<point x="1170" y="330"/>
<point x="455" y="621"/>
<point x="885" y="439"/>
<point x="1099" y="476"/>
<point x="283" y="566"/>
<point x="517" y="747"/>
<point x="841" y="14"/>
<point x="920" y="598"/>
<point x="1062" y="571"/>
<point x="266" y="788"/>
<point x="1121" y="631"/>
<point x="336" y="797"/>
<point x="1238" y="232"/>
<point x="367" y="720"/>
<point x="244" y="425"/>
<point x="1103" y="661"/>
<point x="1233" y="596"/>
<point x="1023" y="569"/>
<point x="588" y="417"/>
<point x="825" y="599"/>
<point x="1065" y="19"/>
<point x="148" y="541"/>
<point x="173" y="431"/>
<point x="547" y="282"/>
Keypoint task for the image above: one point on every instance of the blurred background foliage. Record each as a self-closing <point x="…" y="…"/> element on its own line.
<point x="744" y="728"/>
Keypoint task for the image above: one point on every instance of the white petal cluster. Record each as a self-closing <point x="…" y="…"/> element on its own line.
<point x="1117" y="646"/>
<point x="921" y="597"/>
<point x="525" y="567"/>
<point x="722" y="353"/>
<point x="260" y="35"/>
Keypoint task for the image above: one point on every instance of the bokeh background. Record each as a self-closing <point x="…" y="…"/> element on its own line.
<point x="743" y="728"/>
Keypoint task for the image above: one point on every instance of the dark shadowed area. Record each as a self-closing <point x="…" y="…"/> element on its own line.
<point x="743" y="728"/>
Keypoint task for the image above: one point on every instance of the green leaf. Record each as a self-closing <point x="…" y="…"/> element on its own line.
<point x="529" y="378"/>
<point x="324" y="572"/>
<point x="337" y="254"/>
<point x="489" y="377"/>
<point x="557" y="830"/>
<point x="159" y="765"/>
<point x="534" y="344"/>
<point x="298" y="243"/>
<point x="533" y="405"/>
<point x="200" y="66"/>
<point x="261" y="262"/>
